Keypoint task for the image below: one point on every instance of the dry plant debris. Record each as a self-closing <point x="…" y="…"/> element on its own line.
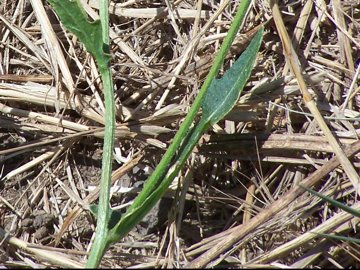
<point x="237" y="204"/>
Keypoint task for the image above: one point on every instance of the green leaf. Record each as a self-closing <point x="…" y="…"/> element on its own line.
<point x="94" y="209"/>
<point x="75" y="19"/>
<point x="333" y="202"/>
<point x="223" y="93"/>
<point x="115" y="215"/>
<point x="228" y="98"/>
<point x="339" y="237"/>
<point x="133" y="216"/>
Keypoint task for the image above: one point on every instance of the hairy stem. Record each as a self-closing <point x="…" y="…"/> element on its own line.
<point x="101" y="244"/>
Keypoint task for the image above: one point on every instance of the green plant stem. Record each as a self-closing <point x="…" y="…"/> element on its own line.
<point x="174" y="158"/>
<point x="104" y="18"/>
<point x="100" y="243"/>
<point x="162" y="167"/>
<point x="166" y="170"/>
<point x="194" y="136"/>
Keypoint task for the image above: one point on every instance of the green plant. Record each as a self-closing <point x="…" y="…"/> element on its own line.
<point x="340" y="205"/>
<point x="216" y="98"/>
<point x="95" y="36"/>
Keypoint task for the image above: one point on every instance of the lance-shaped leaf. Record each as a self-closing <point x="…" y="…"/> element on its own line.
<point x="75" y="19"/>
<point x="223" y="93"/>
<point x="342" y="206"/>
<point x="339" y="237"/>
<point x="221" y="100"/>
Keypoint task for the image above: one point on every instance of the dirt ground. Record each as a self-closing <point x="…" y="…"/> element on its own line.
<point x="237" y="203"/>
